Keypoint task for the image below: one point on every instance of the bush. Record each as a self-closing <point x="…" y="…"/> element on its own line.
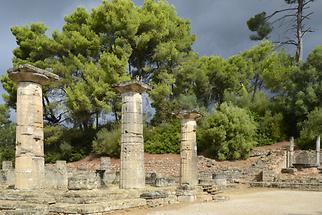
<point x="270" y="129"/>
<point x="107" y="142"/>
<point x="164" y="138"/>
<point x="310" y="129"/>
<point x="227" y="133"/>
<point x="68" y="144"/>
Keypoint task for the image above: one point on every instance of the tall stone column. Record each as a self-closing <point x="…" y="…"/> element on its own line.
<point x="29" y="164"/>
<point x="188" y="148"/>
<point x="132" y="174"/>
<point x="318" y="151"/>
<point x="291" y="152"/>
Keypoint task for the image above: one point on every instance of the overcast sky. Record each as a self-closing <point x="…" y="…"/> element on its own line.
<point x="220" y="25"/>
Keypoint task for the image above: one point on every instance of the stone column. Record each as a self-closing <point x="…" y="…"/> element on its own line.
<point x="62" y="175"/>
<point x="105" y="163"/>
<point x="29" y="164"/>
<point x="291" y="153"/>
<point x="318" y="151"/>
<point x="132" y="174"/>
<point x="188" y="149"/>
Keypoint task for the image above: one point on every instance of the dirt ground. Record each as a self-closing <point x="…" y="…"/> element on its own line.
<point x="246" y="202"/>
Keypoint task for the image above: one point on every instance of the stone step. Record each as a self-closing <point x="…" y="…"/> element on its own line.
<point x="84" y="199"/>
<point x="95" y="208"/>
<point x="22" y="208"/>
<point x="25" y="196"/>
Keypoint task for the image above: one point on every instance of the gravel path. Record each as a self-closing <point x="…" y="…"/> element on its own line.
<point x="258" y="203"/>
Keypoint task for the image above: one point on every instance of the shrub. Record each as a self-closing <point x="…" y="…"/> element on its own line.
<point x="270" y="129"/>
<point x="68" y="144"/>
<point x="310" y="129"/>
<point x="107" y="142"/>
<point x="227" y="133"/>
<point x="164" y="138"/>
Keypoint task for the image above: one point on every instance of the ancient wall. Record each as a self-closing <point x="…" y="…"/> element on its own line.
<point x="305" y="158"/>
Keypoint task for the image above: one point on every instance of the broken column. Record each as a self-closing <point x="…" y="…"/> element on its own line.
<point x="318" y="151"/>
<point x="291" y="153"/>
<point x="188" y="148"/>
<point x="132" y="173"/>
<point x="29" y="162"/>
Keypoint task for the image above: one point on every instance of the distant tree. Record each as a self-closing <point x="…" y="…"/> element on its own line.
<point x="227" y="133"/>
<point x="114" y="42"/>
<point x="7" y="135"/>
<point x="311" y="128"/>
<point x="263" y="24"/>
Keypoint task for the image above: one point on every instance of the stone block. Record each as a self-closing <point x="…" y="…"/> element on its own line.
<point x="150" y="178"/>
<point x="7" y="165"/>
<point x="165" y="182"/>
<point x="105" y="163"/>
<point x="132" y="128"/>
<point x="84" y="182"/>
<point x="289" y="170"/>
<point x="38" y="172"/>
<point x="154" y="195"/>
<point x="130" y="138"/>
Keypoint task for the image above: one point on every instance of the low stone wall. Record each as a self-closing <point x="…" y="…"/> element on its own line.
<point x="265" y="166"/>
<point x="57" y="176"/>
<point x="304" y="158"/>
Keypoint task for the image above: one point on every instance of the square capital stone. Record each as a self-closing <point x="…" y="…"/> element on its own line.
<point x="29" y="73"/>
<point x="131" y="86"/>
<point x="189" y="115"/>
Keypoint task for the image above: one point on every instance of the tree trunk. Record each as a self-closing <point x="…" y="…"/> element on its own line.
<point x="299" y="31"/>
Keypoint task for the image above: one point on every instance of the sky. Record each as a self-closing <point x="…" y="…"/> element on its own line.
<point x="220" y="25"/>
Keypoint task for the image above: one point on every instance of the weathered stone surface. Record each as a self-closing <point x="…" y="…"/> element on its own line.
<point x="318" y="151"/>
<point x="105" y="163"/>
<point x="289" y="170"/>
<point x="132" y="86"/>
<point x="164" y="182"/>
<point x="29" y="130"/>
<point x="96" y="208"/>
<point x="305" y="158"/>
<point x="132" y="173"/>
<point x="29" y="73"/>
<point x="220" y="180"/>
<point x="188" y="148"/>
<point x="154" y="195"/>
<point x="84" y="182"/>
<point x="7" y="165"/>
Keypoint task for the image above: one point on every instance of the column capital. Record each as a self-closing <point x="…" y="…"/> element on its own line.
<point x="131" y="86"/>
<point x="189" y="115"/>
<point x="29" y="73"/>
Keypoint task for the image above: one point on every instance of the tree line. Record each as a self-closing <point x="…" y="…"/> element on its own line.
<point x="259" y="96"/>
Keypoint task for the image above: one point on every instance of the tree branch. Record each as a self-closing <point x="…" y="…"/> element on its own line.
<point x="279" y="11"/>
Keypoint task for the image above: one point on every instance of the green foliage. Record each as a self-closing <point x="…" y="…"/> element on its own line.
<point x="7" y="135"/>
<point x="66" y="143"/>
<point x="270" y="129"/>
<point x="227" y="133"/>
<point x="107" y="142"/>
<point x="260" y="25"/>
<point x="187" y="102"/>
<point x="311" y="128"/>
<point x="165" y="138"/>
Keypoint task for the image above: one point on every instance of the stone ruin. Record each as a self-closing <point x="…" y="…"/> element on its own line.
<point x="35" y="188"/>
<point x="302" y="158"/>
